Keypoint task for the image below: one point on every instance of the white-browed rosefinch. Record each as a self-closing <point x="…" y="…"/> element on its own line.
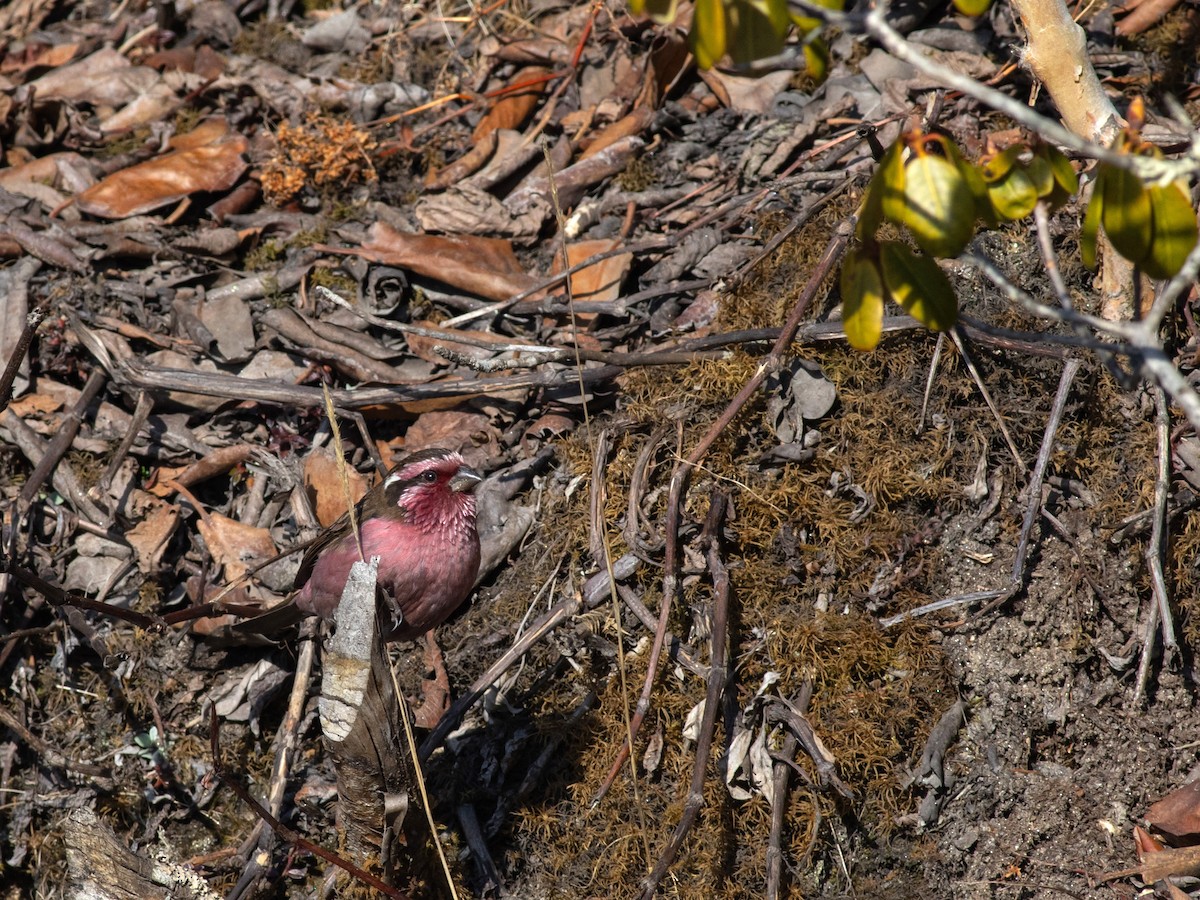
<point x="420" y="522"/>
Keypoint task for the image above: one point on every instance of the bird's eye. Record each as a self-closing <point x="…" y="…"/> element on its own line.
<point x="429" y="477"/>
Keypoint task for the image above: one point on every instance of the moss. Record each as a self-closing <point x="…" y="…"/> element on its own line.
<point x="638" y="175"/>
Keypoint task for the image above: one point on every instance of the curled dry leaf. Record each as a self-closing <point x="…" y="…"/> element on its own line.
<point x="104" y="79"/>
<point x="323" y="480"/>
<point x="208" y="161"/>
<point x="601" y="281"/>
<point x="235" y="547"/>
<point x="483" y="266"/>
<point x="157" y="521"/>
<point x="1177" y="815"/>
<point x="516" y="105"/>
<point x="470" y="433"/>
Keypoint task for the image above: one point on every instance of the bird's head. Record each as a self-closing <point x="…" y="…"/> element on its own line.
<point x="433" y="489"/>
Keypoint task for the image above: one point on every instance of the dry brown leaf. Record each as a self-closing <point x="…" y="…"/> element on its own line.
<point x="157" y="521"/>
<point x="36" y="56"/>
<point x="746" y="94"/>
<point x="106" y="79"/>
<point x="483" y="266"/>
<point x="514" y="107"/>
<point x="235" y="547"/>
<point x="470" y="433"/>
<point x="211" y="161"/>
<point x="167" y="480"/>
<point x="467" y="164"/>
<point x="601" y="281"/>
<point x="35" y="405"/>
<point x="202" y="60"/>
<point x="1177" y="815"/>
<point x="634" y="123"/>
<point x="52" y="169"/>
<point x="1145" y="843"/>
<point x="323" y="481"/>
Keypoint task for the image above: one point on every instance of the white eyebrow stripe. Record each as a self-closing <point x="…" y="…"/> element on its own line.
<point x="392" y="479"/>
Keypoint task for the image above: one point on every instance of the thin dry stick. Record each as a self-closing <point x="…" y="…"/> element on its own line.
<point x="1160" y="608"/>
<point x="595" y="591"/>
<point x="407" y="718"/>
<point x="783" y="777"/>
<point x="1158" y="537"/>
<point x="285" y="748"/>
<point x="718" y="677"/>
<point x="32" y="321"/>
<point x="341" y="465"/>
<point x="956" y="335"/>
<point x="605" y="547"/>
<point x="1034" y="504"/>
<point x="773" y="360"/>
<point x="1034" y="501"/>
<point x="227" y="779"/>
<point x="933" y="366"/>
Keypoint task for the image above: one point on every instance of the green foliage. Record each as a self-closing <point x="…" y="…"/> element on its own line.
<point x="924" y="185"/>
<point x="931" y="198"/>
<point x="862" y="300"/>
<point x="972" y="7"/>
<point x="918" y="285"/>
<point x="745" y="29"/>
<point x="1152" y="226"/>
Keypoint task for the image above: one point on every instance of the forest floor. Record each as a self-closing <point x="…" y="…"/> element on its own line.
<point x="222" y="208"/>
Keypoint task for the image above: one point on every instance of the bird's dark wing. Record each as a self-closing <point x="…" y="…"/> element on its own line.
<point x="273" y="621"/>
<point x="320" y="544"/>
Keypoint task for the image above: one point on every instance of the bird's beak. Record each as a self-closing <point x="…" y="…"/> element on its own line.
<point x="465" y="481"/>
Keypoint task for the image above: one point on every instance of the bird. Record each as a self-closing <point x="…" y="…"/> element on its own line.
<point x="420" y="522"/>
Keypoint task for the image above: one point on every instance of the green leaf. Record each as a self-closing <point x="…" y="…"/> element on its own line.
<point x="936" y="205"/>
<point x="1127" y="217"/>
<point x="919" y="285"/>
<point x="999" y="165"/>
<point x="708" y="35"/>
<point x="816" y="59"/>
<point x="1174" y="230"/>
<point x="862" y="301"/>
<point x="1015" y="196"/>
<point x="661" y="11"/>
<point x="1041" y="175"/>
<point x="1065" y="181"/>
<point x="1089" y="231"/>
<point x="889" y="177"/>
<point x="972" y="7"/>
<point x="755" y="31"/>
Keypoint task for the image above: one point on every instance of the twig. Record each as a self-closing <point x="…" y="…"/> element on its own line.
<point x="956" y="335"/>
<point x="718" y="675"/>
<point x="32" y="321"/>
<point x="1160" y="617"/>
<point x="51" y="756"/>
<point x="63" y="477"/>
<point x="286" y="741"/>
<point x="824" y="761"/>
<point x="1146" y="167"/>
<point x="594" y="592"/>
<point x="782" y="775"/>
<point x="833" y="253"/>
<point x="278" y="827"/>
<point x="1034" y="504"/>
<point x="933" y="366"/>
<point x="1034" y="500"/>
<point x="61" y="442"/>
<point x="468" y="820"/>
<point x="141" y="412"/>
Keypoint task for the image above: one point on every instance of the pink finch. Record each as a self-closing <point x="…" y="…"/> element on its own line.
<point x="420" y="522"/>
